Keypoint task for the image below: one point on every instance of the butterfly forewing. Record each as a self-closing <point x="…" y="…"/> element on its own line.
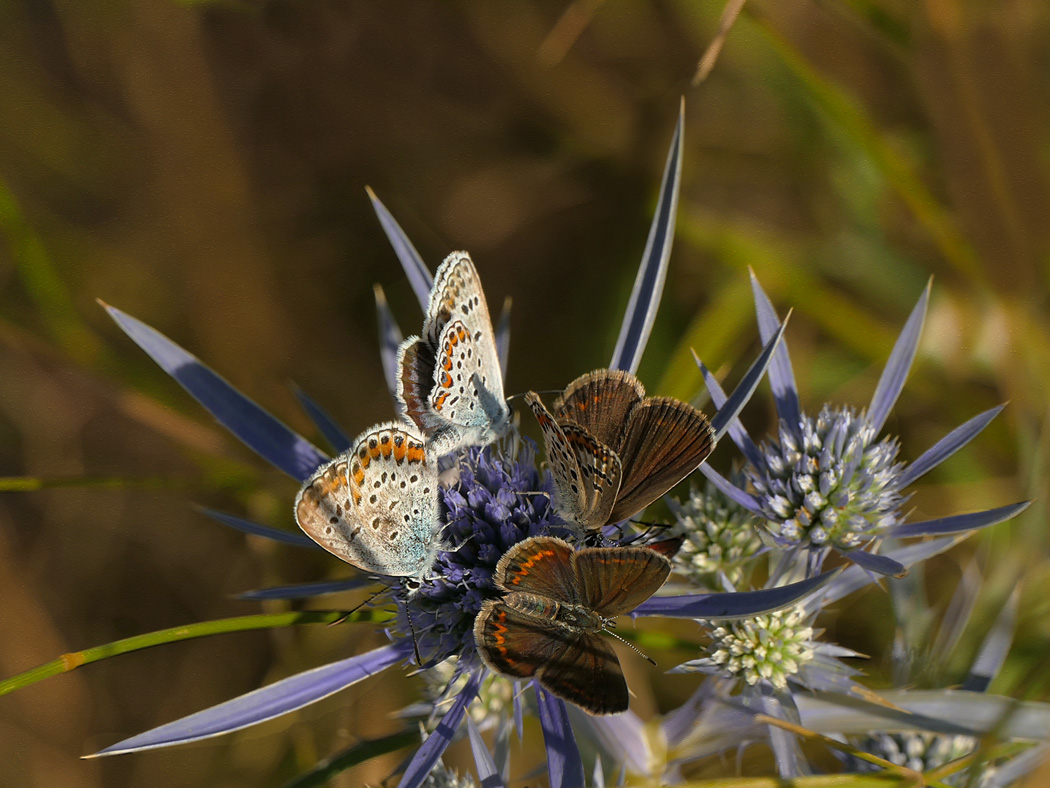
<point x="666" y="440"/>
<point x="457" y="295"/>
<point x="540" y="565"/>
<point x="325" y="507"/>
<point x="615" y="580"/>
<point x="449" y="380"/>
<point x="601" y="402"/>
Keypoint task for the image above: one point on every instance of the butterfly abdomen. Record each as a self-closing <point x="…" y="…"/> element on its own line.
<point x="562" y="614"/>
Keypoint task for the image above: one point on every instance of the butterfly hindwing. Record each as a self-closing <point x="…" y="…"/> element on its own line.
<point x="600" y="471"/>
<point x="569" y="497"/>
<point x="376" y="506"/>
<point x="415" y="382"/>
<point x="588" y="674"/>
<point x="514" y="643"/>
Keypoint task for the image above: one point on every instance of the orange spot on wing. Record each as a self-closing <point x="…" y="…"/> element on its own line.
<point x="525" y="566"/>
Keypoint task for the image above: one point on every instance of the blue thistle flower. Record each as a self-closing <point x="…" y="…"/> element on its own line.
<point x="829" y="482"/>
<point x="721" y="537"/>
<point x="500" y="499"/>
<point x="494" y="505"/>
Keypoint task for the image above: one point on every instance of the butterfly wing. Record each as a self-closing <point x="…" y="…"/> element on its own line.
<point x="600" y="474"/>
<point x="569" y="497"/>
<point x="578" y="666"/>
<point x="376" y="506"/>
<point x="615" y="580"/>
<point x="664" y="442"/>
<point x="514" y="643"/>
<point x="540" y="565"/>
<point x="415" y="382"/>
<point x="601" y="402"/>
<point x="588" y="674"/>
<point x="457" y="296"/>
<point x="456" y="394"/>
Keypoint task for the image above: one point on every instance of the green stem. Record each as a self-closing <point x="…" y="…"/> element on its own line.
<point x="75" y="659"/>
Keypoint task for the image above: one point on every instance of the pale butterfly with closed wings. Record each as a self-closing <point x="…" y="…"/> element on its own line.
<point x="376" y="506"/>
<point x="613" y="451"/>
<point x="449" y="378"/>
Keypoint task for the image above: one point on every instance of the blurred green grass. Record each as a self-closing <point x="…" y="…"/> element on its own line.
<point x="202" y="166"/>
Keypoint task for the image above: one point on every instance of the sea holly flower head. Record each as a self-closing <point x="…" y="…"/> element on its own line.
<point x="771" y="648"/>
<point x="921" y="752"/>
<point x="720" y="536"/>
<point x="500" y="499"/>
<point x="828" y="481"/>
<point x="775" y="648"/>
<point x="443" y="777"/>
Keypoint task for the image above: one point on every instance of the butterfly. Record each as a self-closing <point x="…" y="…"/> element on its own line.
<point x="449" y="379"/>
<point x="376" y="506"/>
<point x="613" y="451"/>
<point x="556" y="602"/>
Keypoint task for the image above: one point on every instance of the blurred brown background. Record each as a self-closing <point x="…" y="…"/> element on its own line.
<point x="203" y="165"/>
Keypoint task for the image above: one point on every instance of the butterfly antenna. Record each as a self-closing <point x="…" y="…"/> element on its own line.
<point x="412" y="629"/>
<point x="652" y="525"/>
<point x="634" y="648"/>
<point x="350" y="612"/>
<point x="541" y="391"/>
